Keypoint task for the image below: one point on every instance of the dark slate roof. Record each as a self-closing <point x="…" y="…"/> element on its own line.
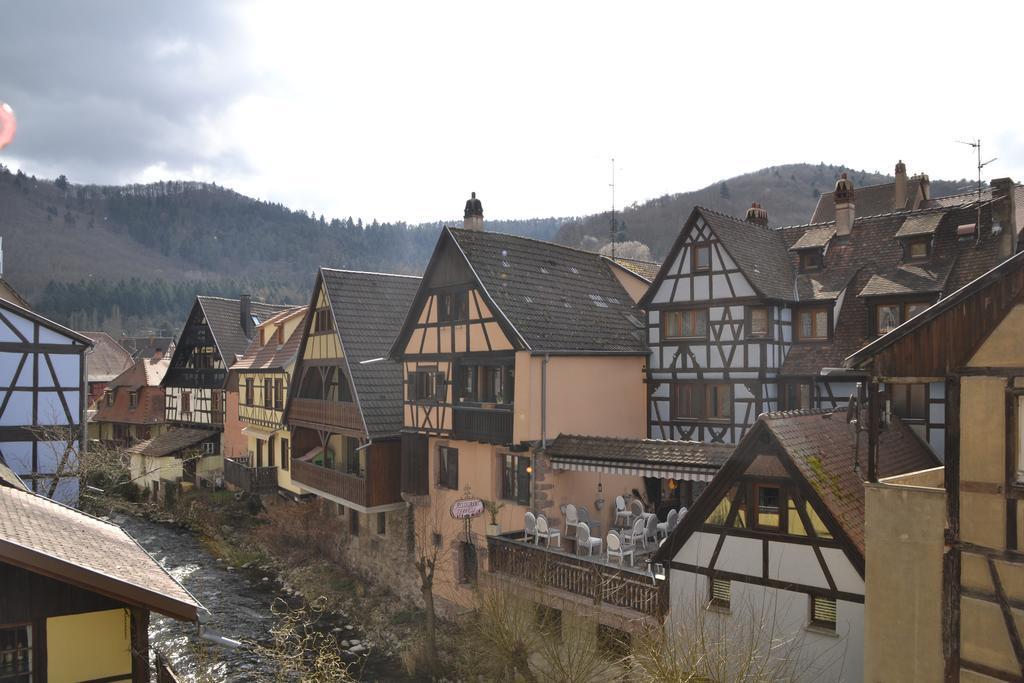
<point x="759" y="252"/>
<point x="648" y="270"/>
<point x="869" y="200"/>
<point x="270" y="356"/>
<point x="369" y="309"/>
<point x="556" y="298"/>
<point x="640" y="451"/>
<point x="920" y="224"/>
<point x="822" y="446"/>
<point x="814" y="238"/>
<point x="148" y="346"/>
<point x="225" y="321"/>
<point x="106" y="359"/>
<point x="909" y="278"/>
<point x="171" y="442"/>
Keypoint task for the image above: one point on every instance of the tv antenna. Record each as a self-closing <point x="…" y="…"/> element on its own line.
<point x="976" y="144"/>
<point x="613" y="230"/>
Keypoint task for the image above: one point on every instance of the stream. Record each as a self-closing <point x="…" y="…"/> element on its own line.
<point x="239" y="601"/>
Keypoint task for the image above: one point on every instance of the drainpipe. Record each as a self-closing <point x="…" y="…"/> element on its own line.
<point x="543" y="426"/>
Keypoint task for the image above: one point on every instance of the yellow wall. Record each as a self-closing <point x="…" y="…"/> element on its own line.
<point x="1004" y="347"/>
<point x="324" y="345"/>
<point x="284" y="477"/>
<point x="146" y="470"/>
<point x="258" y="410"/>
<point x="635" y="286"/>
<point x="87" y="646"/>
<point x="594" y="395"/>
<point x="425" y="340"/>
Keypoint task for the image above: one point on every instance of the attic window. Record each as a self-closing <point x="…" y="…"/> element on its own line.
<point x="966" y="230"/>
<point x="701" y="257"/>
<point x="598" y="301"/>
<point x="810" y="260"/>
<point x="918" y="249"/>
<point x="255" y="320"/>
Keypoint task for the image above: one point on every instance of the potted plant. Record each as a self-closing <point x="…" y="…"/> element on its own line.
<point x="493" y="508"/>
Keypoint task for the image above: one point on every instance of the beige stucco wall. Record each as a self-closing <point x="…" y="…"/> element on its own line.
<point x="1005" y="346"/>
<point x="233" y="442"/>
<point x="594" y="395"/>
<point x="580" y="488"/>
<point x="634" y="286"/>
<point x="904" y="545"/>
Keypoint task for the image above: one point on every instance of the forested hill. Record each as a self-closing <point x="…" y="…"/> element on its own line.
<point x="789" y="193"/>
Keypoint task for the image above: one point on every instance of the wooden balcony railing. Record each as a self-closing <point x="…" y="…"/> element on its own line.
<point x="255" y="480"/>
<point x="196" y="379"/>
<point x="380" y="486"/>
<point x="345" y="486"/>
<point x="315" y="413"/>
<point x="623" y="587"/>
<point x="487" y="425"/>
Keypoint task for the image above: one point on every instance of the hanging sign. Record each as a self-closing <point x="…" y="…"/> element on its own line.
<point x="467" y="508"/>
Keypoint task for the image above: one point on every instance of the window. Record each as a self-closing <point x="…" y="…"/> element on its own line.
<point x="823" y="613"/>
<point x="16" y="654"/>
<point x="270" y="452"/>
<point x="695" y="400"/>
<point x="909" y="401"/>
<point x="718" y="401"/>
<point x="918" y="249"/>
<point x="813" y="323"/>
<point x="133" y="400"/>
<point x="686" y="400"/>
<point x="210" y="448"/>
<point x="453" y="306"/>
<point x="795" y="396"/>
<point x="382" y="524"/>
<point x="758" y="326"/>
<point x="286" y="456"/>
<point x="186" y="402"/>
<point x="268" y="393"/>
<point x="259" y="453"/>
<point x="278" y="393"/>
<point x="353" y="523"/>
<point x="108" y="395"/>
<point x="768" y="500"/>
<point x="426" y="385"/>
<point x="720" y="593"/>
<point x="515" y="478"/>
<point x="448" y="472"/>
<point x="612" y="643"/>
<point x="701" y="257"/>
<point x="690" y="323"/>
<point x="486" y="383"/>
<point x="889" y="316"/>
<point x="810" y="260"/>
<point x="216" y="406"/>
<point x="322" y="321"/>
<point x="249" y="391"/>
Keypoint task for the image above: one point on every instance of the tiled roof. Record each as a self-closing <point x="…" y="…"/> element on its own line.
<point x="759" y="252"/>
<point x="814" y="238"/>
<point x="648" y="270"/>
<point x="46" y="537"/>
<point x="270" y="356"/>
<point x="107" y="359"/>
<point x="143" y="376"/>
<point x="823" y="447"/>
<point x="920" y="224"/>
<point x="369" y="309"/>
<point x="170" y="443"/>
<point x="9" y="293"/>
<point x="909" y="278"/>
<point x="148" y="346"/>
<point x="869" y="200"/>
<point x="225" y="321"/>
<point x="640" y="451"/>
<point x="556" y="298"/>
<point x="9" y="478"/>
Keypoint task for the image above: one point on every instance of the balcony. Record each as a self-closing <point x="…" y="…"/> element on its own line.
<point x="254" y="480"/>
<point x="594" y="579"/>
<point x="486" y="425"/>
<point x="195" y="379"/>
<point x="319" y="414"/>
<point x="380" y="486"/>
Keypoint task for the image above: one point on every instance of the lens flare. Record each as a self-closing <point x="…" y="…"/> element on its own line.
<point x="8" y="124"/>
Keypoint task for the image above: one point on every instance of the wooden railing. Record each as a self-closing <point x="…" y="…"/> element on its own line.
<point x="623" y="587"/>
<point x="317" y="413"/>
<point x="487" y="425"/>
<point x="196" y="379"/>
<point x="256" y="480"/>
<point x="346" y="486"/>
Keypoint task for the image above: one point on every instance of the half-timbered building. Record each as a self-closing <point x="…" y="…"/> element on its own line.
<point x="131" y="408"/>
<point x="104" y="361"/>
<point x="216" y="333"/>
<point x="744" y="319"/>
<point x="945" y="575"/>
<point x="261" y="379"/>
<point x="42" y="401"/>
<point x="775" y="545"/>
<point x="508" y="342"/>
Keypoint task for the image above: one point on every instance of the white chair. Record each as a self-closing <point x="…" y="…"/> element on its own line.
<point x="530" y="528"/>
<point x="666" y="527"/>
<point x="585" y="540"/>
<point x="652" y="529"/>
<point x="682" y="511"/>
<point x="637" y="534"/>
<point x="621" y="512"/>
<point x="547" y="533"/>
<point x="615" y="549"/>
<point x="636" y="508"/>
<point x="584" y="516"/>
<point x="571" y="521"/>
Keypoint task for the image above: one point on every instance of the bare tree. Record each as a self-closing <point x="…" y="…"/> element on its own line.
<point x="427" y="554"/>
<point x="299" y="649"/>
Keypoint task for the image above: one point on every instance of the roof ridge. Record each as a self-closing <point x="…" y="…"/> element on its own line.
<point x="529" y="239"/>
<point x="210" y="297"/>
<point x="369" y="272"/>
<point x="800" y="412"/>
<point x="894" y="212"/>
<point x="642" y="440"/>
<point x="733" y="218"/>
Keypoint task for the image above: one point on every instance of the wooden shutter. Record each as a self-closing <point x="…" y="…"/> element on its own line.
<point x="823" y="612"/>
<point x="720" y="592"/>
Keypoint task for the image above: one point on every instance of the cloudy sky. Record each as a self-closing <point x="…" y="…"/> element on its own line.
<point x="396" y="111"/>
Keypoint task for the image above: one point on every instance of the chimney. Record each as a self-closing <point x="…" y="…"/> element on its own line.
<point x="899" y="195"/>
<point x="844" y="205"/>
<point x="245" y="315"/>
<point x="473" y="218"/>
<point x="922" y="178"/>
<point x="1004" y="215"/>
<point x="757" y="215"/>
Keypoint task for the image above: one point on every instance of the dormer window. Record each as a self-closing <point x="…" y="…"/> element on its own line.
<point x="810" y="260"/>
<point x="701" y="257"/>
<point x="133" y="400"/>
<point x="108" y="395"/>
<point x="890" y="315"/>
<point x="917" y="249"/>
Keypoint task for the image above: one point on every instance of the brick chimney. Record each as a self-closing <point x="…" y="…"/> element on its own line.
<point x="899" y="195"/>
<point x="473" y="218"/>
<point x="245" y="315"/>
<point x="844" y="205"/>
<point x="757" y="215"/>
<point x="922" y="178"/>
<point x="1004" y="215"/>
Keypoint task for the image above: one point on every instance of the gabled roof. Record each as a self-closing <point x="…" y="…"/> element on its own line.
<point x="107" y="359"/>
<point x="8" y="292"/>
<point x="45" y="537"/>
<point x="869" y="200"/>
<point x="820" y="448"/>
<point x="171" y="442"/>
<point x="270" y="356"/>
<point x="145" y="372"/>
<point x="910" y="278"/>
<point x="224" y="316"/>
<point x="652" y="454"/>
<point x="45" y="322"/>
<point x="148" y="346"/>
<point x="368" y="312"/>
<point x="645" y="270"/>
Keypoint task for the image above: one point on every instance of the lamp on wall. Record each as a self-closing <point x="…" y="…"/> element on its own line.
<point x="599" y="503"/>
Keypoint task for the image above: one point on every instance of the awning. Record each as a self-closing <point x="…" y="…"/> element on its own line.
<point x="636" y="469"/>
<point x="259" y="433"/>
